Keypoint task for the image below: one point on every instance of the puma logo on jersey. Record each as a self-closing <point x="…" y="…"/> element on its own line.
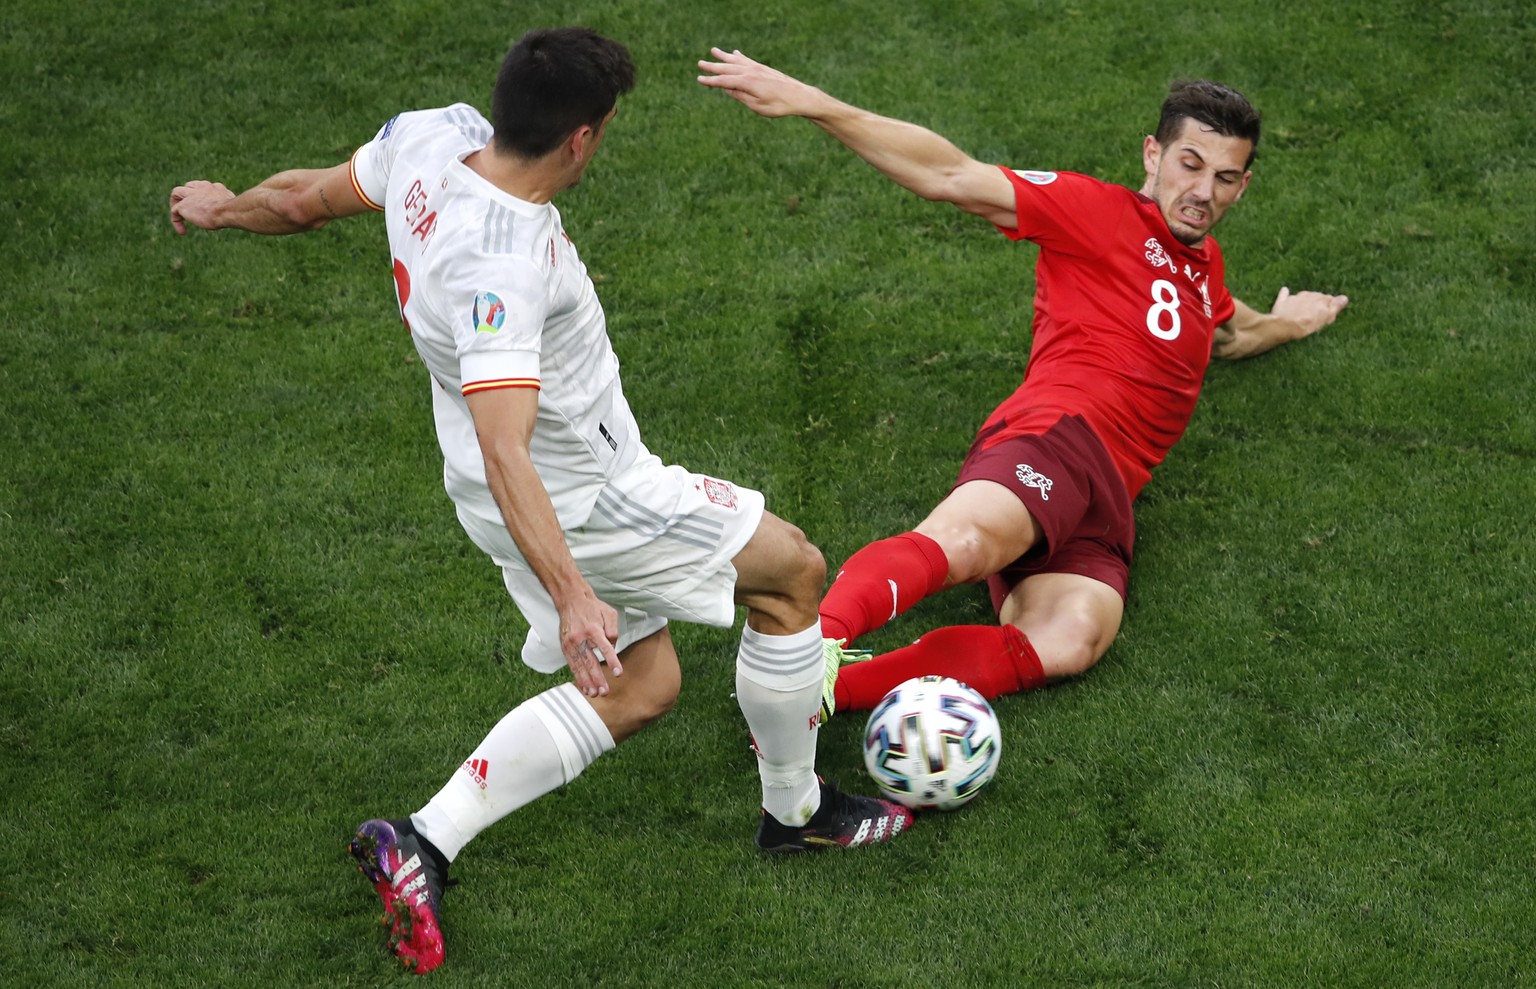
<point x="1031" y="478"/>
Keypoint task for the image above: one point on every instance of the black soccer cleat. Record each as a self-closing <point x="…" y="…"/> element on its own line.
<point x="842" y="821"/>
<point x="409" y="876"/>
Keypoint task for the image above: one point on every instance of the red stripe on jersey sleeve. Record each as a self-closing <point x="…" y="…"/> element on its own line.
<point x="471" y="387"/>
<point x="357" y="187"/>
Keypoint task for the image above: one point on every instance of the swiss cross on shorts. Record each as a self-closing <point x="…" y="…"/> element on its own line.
<point x="720" y="492"/>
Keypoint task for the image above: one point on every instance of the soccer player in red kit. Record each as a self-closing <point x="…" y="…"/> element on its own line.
<point x="1130" y="305"/>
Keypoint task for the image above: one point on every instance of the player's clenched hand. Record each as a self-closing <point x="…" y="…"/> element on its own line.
<point x="761" y="89"/>
<point x="194" y="203"/>
<point x="1309" y="310"/>
<point x="588" y="630"/>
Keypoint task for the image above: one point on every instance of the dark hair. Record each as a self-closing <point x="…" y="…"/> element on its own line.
<point x="553" y="81"/>
<point x="1221" y="108"/>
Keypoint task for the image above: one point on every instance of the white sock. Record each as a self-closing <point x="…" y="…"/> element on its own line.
<point x="544" y="742"/>
<point x="778" y="685"/>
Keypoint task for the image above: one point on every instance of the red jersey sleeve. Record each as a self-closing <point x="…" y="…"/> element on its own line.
<point x="1064" y="211"/>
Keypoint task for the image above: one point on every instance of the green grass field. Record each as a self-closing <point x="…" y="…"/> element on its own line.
<point x="237" y="615"/>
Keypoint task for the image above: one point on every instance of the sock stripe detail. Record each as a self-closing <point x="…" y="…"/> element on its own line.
<point x="792" y="660"/>
<point x="563" y="707"/>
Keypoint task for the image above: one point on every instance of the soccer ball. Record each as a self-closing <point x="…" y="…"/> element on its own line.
<point x="932" y="743"/>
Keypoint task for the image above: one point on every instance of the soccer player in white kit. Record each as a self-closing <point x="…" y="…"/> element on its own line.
<point x="598" y="541"/>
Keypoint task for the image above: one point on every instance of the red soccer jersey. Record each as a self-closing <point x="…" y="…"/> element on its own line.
<point x="1124" y="316"/>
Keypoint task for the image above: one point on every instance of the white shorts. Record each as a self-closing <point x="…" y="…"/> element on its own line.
<point x="658" y="545"/>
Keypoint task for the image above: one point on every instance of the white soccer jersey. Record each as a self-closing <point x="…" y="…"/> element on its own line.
<point x="495" y="296"/>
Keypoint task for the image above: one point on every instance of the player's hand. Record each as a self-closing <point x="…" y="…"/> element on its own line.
<point x="589" y="629"/>
<point x="759" y="88"/>
<point x="1309" y="310"/>
<point x="195" y="202"/>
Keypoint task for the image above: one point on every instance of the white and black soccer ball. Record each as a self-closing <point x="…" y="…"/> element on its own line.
<point x="932" y="743"/>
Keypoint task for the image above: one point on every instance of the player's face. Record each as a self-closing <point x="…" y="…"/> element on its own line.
<point x="1195" y="177"/>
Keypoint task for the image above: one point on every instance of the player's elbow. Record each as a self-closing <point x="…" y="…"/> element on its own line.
<point x="300" y="210"/>
<point x="935" y="190"/>
<point x="1231" y="343"/>
<point x="1225" y="350"/>
<point x="946" y="185"/>
<point x="1256" y="340"/>
<point x="975" y="188"/>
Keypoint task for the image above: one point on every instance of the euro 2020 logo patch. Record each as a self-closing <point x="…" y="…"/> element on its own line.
<point x="489" y="313"/>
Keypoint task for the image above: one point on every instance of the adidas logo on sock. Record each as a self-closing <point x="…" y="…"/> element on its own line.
<point x="477" y="769"/>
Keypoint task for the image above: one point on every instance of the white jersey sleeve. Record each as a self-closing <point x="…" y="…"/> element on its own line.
<point x="369" y="168"/>
<point x="372" y="163"/>
<point x="499" y="310"/>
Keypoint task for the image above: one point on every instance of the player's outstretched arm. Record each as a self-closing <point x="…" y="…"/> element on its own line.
<point x="912" y="156"/>
<point x="1291" y="317"/>
<point x="589" y="628"/>
<point x="290" y="202"/>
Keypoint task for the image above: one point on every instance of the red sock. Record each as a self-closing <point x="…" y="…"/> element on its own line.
<point x="881" y="581"/>
<point x="993" y="659"/>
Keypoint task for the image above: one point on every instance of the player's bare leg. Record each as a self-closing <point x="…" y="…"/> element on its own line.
<point x="779" y="672"/>
<point x="1070" y="620"/>
<point x="979" y="528"/>
<point x="649" y="687"/>
<point x="779" y="577"/>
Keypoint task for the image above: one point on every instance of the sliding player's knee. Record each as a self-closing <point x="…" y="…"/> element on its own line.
<point x="967" y="550"/>
<point x="1070" y="643"/>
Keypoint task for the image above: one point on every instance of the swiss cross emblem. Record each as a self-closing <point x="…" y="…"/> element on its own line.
<point x="1031" y="478"/>
<point x="720" y="492"/>
<point x="1158" y="255"/>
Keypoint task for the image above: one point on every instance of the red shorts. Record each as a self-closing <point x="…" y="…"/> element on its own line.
<point x="1069" y="484"/>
